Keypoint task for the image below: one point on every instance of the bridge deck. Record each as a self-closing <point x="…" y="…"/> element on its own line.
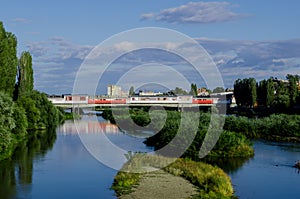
<point x="73" y="105"/>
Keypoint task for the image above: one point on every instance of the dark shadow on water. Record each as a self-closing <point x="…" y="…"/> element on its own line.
<point x="229" y="165"/>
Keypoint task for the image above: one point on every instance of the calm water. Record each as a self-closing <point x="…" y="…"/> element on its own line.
<point x="270" y="173"/>
<point x="66" y="170"/>
<point x="59" y="166"/>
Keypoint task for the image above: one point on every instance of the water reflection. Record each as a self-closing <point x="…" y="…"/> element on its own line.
<point x="229" y="165"/>
<point x="88" y="127"/>
<point x="17" y="171"/>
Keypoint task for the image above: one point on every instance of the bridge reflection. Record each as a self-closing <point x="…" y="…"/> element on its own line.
<point x="88" y="127"/>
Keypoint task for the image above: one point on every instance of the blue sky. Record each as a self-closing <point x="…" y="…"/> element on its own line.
<point x="260" y="38"/>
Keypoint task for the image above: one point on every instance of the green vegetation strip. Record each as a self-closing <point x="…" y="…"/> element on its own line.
<point x="211" y="182"/>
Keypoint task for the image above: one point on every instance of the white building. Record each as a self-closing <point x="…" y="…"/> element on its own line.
<point x="115" y="91"/>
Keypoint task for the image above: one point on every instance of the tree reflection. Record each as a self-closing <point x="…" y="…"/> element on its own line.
<point x="229" y="165"/>
<point x="18" y="169"/>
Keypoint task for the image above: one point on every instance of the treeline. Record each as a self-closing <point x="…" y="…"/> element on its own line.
<point x="280" y="95"/>
<point x="22" y="109"/>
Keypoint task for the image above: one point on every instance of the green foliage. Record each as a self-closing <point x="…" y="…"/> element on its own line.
<point x="218" y="90"/>
<point x="7" y="122"/>
<point x="8" y="61"/>
<point x="32" y="112"/>
<point x="282" y="103"/>
<point x="32" y="109"/>
<point x="20" y="118"/>
<point x="50" y="116"/>
<point x="293" y="88"/>
<point x="25" y="77"/>
<point x="245" y="92"/>
<point x="131" y="91"/>
<point x="281" y="95"/>
<point x="276" y="126"/>
<point x="167" y="125"/>
<point x="211" y="181"/>
<point x="193" y="89"/>
<point x="179" y="91"/>
<point x="265" y="93"/>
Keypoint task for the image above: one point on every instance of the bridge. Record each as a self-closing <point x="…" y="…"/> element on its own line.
<point x="83" y="101"/>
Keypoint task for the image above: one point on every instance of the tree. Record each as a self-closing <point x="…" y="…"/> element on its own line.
<point x="8" y="61"/>
<point x="7" y="122"/>
<point x="265" y="93"/>
<point x="238" y="92"/>
<point x="131" y="91"/>
<point x="25" y="74"/>
<point x="270" y="93"/>
<point x="293" y="88"/>
<point x="193" y="89"/>
<point x="218" y="90"/>
<point x="245" y="92"/>
<point x="20" y="118"/>
<point x="32" y="112"/>
<point x="252" y="91"/>
<point x="179" y="91"/>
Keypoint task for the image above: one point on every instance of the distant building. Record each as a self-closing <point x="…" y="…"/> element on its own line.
<point x="202" y="92"/>
<point x="114" y="91"/>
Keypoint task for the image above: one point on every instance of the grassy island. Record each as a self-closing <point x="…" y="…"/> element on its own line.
<point x="209" y="181"/>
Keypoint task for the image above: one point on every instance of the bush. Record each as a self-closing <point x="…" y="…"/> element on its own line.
<point x="32" y="113"/>
<point x="7" y="122"/>
<point x="20" y="118"/>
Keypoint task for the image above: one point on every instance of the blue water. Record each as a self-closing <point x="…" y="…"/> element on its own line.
<point x="61" y="167"/>
<point x="67" y="170"/>
<point x="270" y="174"/>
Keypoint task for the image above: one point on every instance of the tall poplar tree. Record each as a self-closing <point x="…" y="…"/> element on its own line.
<point x="25" y="74"/>
<point x="293" y="88"/>
<point x="245" y="92"/>
<point x="8" y="61"/>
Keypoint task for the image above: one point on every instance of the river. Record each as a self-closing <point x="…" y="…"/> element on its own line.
<point x="60" y="166"/>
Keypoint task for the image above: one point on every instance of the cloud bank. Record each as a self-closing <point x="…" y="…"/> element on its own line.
<point x="196" y="12"/>
<point x="57" y="60"/>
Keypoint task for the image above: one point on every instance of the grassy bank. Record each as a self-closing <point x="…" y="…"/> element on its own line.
<point x="276" y="127"/>
<point x="210" y="181"/>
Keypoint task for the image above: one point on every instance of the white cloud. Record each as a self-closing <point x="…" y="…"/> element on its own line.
<point x="57" y="60"/>
<point x="196" y="12"/>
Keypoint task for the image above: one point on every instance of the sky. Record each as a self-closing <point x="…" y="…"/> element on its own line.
<point x="243" y="38"/>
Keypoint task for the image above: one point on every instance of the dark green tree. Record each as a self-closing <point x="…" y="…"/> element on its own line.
<point x="131" y="91"/>
<point x="8" y="61"/>
<point x="293" y="88"/>
<point x="7" y="122"/>
<point x="245" y="92"/>
<point x="238" y="92"/>
<point x="32" y="112"/>
<point x="218" y="90"/>
<point x="179" y="91"/>
<point x="265" y="93"/>
<point x="270" y="93"/>
<point x="193" y="89"/>
<point x="25" y="74"/>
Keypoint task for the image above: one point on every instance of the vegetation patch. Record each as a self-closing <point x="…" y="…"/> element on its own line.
<point x="210" y="181"/>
